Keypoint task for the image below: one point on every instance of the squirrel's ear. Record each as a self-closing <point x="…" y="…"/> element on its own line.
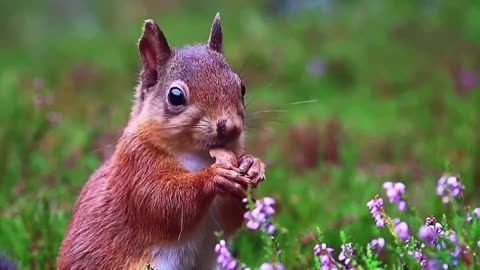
<point x="154" y="50"/>
<point x="215" y="40"/>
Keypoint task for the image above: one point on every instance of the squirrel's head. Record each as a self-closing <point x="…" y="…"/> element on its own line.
<point x="189" y="98"/>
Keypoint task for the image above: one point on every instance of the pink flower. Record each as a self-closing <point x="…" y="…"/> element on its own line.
<point x="376" y="208"/>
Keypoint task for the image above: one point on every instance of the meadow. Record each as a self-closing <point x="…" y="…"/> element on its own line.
<point x="341" y="98"/>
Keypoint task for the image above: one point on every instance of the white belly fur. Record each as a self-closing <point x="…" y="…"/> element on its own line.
<point x="197" y="250"/>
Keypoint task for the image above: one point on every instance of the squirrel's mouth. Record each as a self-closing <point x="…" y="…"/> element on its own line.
<point x="219" y="141"/>
<point x="208" y="145"/>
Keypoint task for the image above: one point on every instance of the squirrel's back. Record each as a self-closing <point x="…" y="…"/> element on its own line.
<point x="178" y="172"/>
<point x="88" y="247"/>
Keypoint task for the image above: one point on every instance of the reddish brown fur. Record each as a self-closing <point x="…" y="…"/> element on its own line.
<point x="142" y="196"/>
<point x="123" y="210"/>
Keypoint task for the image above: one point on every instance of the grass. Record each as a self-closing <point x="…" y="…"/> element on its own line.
<point x="388" y="106"/>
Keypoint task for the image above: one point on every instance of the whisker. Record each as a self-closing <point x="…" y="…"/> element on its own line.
<point x="303" y="102"/>
<point x="268" y="111"/>
<point x="182" y="126"/>
<point x="272" y="124"/>
<point x="251" y="98"/>
<point x="242" y="68"/>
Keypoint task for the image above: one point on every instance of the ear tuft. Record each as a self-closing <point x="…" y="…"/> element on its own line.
<point x="154" y="50"/>
<point x="215" y="40"/>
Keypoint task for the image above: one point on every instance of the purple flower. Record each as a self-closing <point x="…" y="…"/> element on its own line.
<point x="38" y="84"/>
<point x="476" y="211"/>
<point x="468" y="78"/>
<point x="49" y="98"/>
<point x="347" y="254"/>
<point x="432" y="222"/>
<point x="324" y="253"/>
<point x="37" y="101"/>
<point x="224" y="257"/>
<point x="401" y="228"/>
<point x="449" y="186"/>
<point x="417" y="254"/>
<point x="432" y="264"/>
<point x="41" y="100"/>
<point x="376" y="208"/>
<point x="469" y="217"/>
<point x="478" y="243"/>
<point x="431" y="230"/>
<point x="54" y="117"/>
<point x="259" y="216"/>
<point x="395" y="193"/>
<point x="272" y="266"/>
<point x="317" y="67"/>
<point x="425" y="262"/>
<point x="377" y="244"/>
<point x="452" y="237"/>
<point x="7" y="263"/>
<point x="427" y="233"/>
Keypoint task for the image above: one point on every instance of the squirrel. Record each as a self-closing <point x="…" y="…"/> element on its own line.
<point x="178" y="173"/>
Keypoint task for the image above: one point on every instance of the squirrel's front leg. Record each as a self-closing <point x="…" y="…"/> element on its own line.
<point x="172" y="206"/>
<point x="231" y="208"/>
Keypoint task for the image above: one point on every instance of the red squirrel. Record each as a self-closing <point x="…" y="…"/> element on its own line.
<point x="179" y="171"/>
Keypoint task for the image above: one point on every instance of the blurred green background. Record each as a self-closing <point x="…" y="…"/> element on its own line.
<point x="342" y="96"/>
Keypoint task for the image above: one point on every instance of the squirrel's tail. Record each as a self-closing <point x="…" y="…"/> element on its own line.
<point x="7" y="263"/>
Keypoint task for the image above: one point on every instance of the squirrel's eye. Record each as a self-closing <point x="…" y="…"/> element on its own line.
<point x="176" y="97"/>
<point x="244" y="89"/>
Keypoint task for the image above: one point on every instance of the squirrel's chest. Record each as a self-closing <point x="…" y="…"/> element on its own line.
<point x="197" y="250"/>
<point x="194" y="252"/>
<point x="195" y="161"/>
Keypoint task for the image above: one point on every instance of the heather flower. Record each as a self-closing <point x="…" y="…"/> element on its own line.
<point x="49" y="98"/>
<point x="418" y="255"/>
<point x="452" y="236"/>
<point x="377" y="244"/>
<point x="401" y="229"/>
<point x="41" y="100"/>
<point x="476" y="211"/>
<point x="469" y="217"/>
<point x="54" y="117"/>
<point x="7" y="263"/>
<point x="426" y="233"/>
<point x="432" y="264"/>
<point x="376" y="208"/>
<point x="347" y="254"/>
<point x="317" y="67"/>
<point x="425" y="262"/>
<point x="38" y="84"/>
<point x="258" y="217"/>
<point x="395" y="193"/>
<point x="324" y="253"/>
<point x="38" y="101"/>
<point x="272" y="266"/>
<point x="437" y="226"/>
<point x="225" y="258"/>
<point x="468" y="78"/>
<point x="431" y="230"/>
<point x="449" y="186"/>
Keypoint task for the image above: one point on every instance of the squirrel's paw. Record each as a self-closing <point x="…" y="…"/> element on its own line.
<point x="228" y="180"/>
<point x="253" y="168"/>
<point x="224" y="157"/>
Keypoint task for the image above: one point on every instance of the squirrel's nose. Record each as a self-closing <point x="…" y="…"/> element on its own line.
<point x="227" y="131"/>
